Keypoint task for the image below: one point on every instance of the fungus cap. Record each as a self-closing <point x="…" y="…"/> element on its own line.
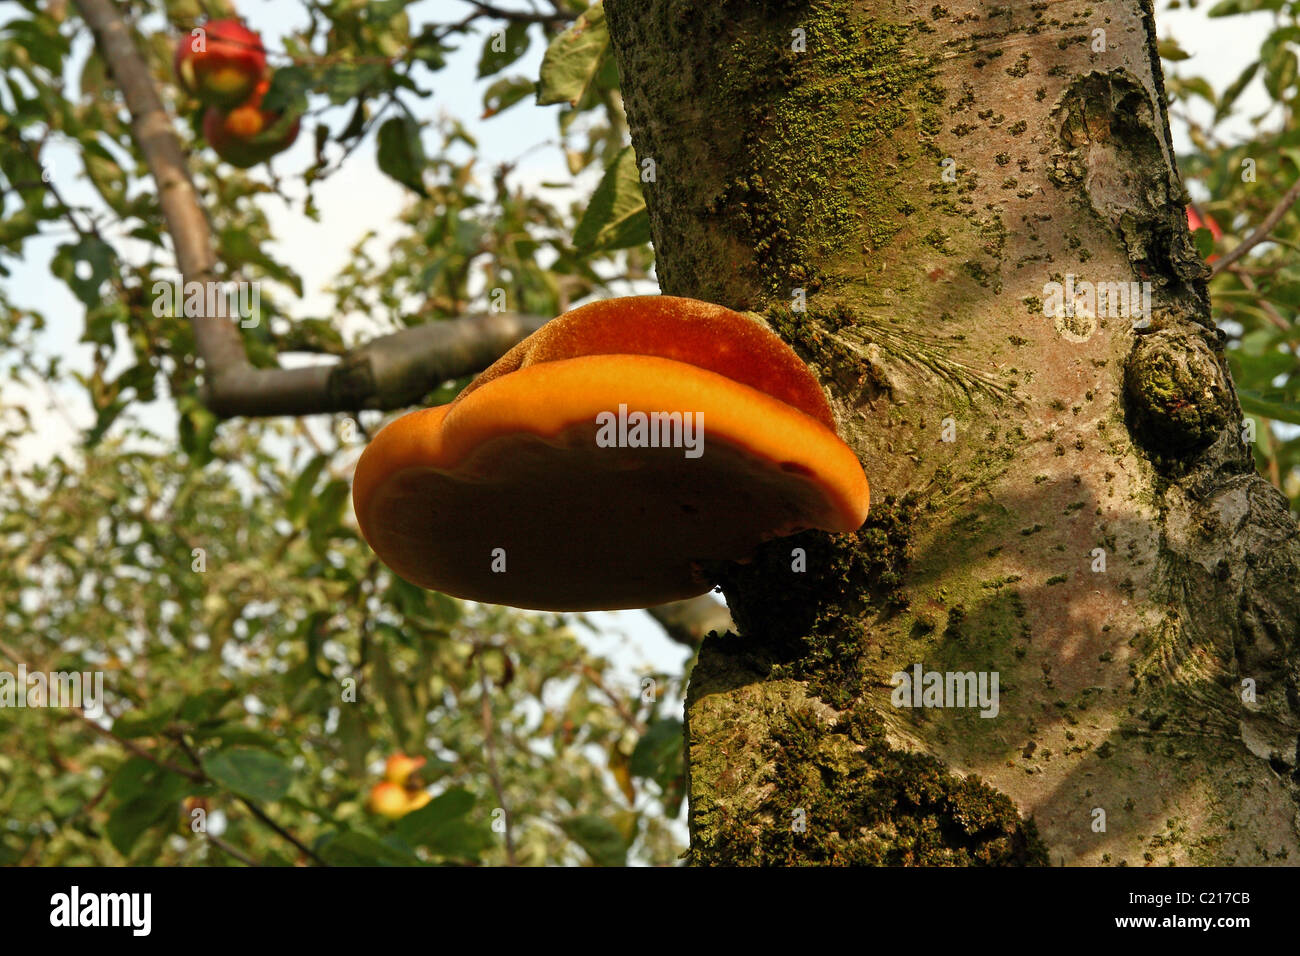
<point x="537" y="486"/>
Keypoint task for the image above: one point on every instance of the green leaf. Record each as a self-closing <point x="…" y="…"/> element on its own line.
<point x="598" y="837"/>
<point x="40" y="40"/>
<point x="105" y="174"/>
<point x="327" y="513"/>
<point x="1170" y="50"/>
<point x="382" y="11"/>
<point x="101" y="320"/>
<point x="148" y="795"/>
<point x="1203" y="239"/>
<point x="108" y="413"/>
<point x="357" y="849"/>
<point x="572" y="59"/>
<point x="441" y="826"/>
<point x="196" y="428"/>
<point x="396" y="697"/>
<point x="238" y="247"/>
<point x="1275" y="404"/>
<point x="288" y="90"/>
<point x="129" y="820"/>
<point x="137" y="724"/>
<point x="659" y="747"/>
<point x="15" y="228"/>
<point x="425" y="49"/>
<point x="249" y="772"/>
<point x="1234" y="90"/>
<point x="616" y="216"/>
<point x="133" y="777"/>
<point x="1228" y="8"/>
<point x="502" y="48"/>
<point x="344" y="81"/>
<point x="1280" y="72"/>
<point x="1189" y="86"/>
<point x="505" y="93"/>
<point x="354" y="738"/>
<point x="97" y="258"/>
<point x="303" y="487"/>
<point x="401" y="154"/>
<point x="204" y="705"/>
<point x="1250" y="371"/>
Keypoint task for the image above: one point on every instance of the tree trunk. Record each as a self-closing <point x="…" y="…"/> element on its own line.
<point x="1065" y="502"/>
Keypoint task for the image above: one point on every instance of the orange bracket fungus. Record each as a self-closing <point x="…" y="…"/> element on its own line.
<point x="598" y="461"/>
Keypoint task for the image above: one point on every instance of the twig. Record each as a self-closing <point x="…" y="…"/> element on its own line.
<point x="620" y="705"/>
<point x="138" y="750"/>
<point x="1267" y="307"/>
<point x="92" y="802"/>
<point x="285" y="834"/>
<point x="1260" y="233"/>
<point x="225" y="847"/>
<point x="252" y="807"/>
<point x="53" y="190"/>
<point x="130" y="746"/>
<point x="522" y="16"/>
<point x="451" y="28"/>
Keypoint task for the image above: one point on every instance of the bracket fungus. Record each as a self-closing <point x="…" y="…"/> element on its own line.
<point x="599" y="460"/>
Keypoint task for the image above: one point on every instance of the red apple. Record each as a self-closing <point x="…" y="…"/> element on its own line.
<point x="248" y="135"/>
<point x="222" y="64"/>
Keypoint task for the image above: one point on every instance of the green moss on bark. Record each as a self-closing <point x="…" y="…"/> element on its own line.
<point x="843" y="796"/>
<point x="812" y="627"/>
<point x="799" y="117"/>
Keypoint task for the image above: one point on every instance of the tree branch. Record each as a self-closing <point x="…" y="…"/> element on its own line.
<point x="386" y="373"/>
<point x="1260" y="233"/>
<point x="218" y="340"/>
<point x="523" y="16"/>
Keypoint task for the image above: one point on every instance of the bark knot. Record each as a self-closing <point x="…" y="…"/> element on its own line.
<point x="1178" y="398"/>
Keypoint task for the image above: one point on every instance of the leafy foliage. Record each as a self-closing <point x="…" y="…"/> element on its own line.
<point x="1239" y="171"/>
<point x="259" y="664"/>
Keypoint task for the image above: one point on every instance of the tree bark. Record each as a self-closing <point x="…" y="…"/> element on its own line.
<point x="1066" y="501"/>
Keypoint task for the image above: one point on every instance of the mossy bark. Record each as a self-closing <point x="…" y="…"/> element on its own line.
<point x="892" y="190"/>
